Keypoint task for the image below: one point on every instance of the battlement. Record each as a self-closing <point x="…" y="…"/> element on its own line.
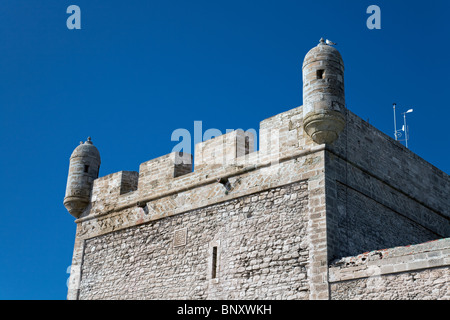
<point x="162" y="170"/>
<point x="224" y="150"/>
<point x="281" y="137"/>
<point x="109" y="190"/>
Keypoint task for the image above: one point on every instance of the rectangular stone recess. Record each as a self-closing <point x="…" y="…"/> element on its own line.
<point x="179" y="237"/>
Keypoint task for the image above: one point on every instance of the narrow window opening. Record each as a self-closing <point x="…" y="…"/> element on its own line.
<point x="247" y="144"/>
<point x="320" y="73"/>
<point x="214" y="263"/>
<point x="86" y="168"/>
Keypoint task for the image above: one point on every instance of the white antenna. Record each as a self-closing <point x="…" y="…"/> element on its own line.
<point x="396" y="133"/>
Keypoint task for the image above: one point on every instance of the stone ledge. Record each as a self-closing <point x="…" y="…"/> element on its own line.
<point x="393" y="260"/>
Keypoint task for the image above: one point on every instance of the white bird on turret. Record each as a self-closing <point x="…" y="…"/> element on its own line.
<point x="330" y="43"/>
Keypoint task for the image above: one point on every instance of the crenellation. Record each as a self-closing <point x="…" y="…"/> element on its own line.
<point x="108" y="190"/>
<point x="223" y="151"/>
<point x="163" y="169"/>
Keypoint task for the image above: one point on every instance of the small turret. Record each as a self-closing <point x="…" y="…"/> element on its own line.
<point x="323" y="93"/>
<point x="83" y="170"/>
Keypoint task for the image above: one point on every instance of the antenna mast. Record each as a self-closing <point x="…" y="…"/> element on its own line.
<point x="395" y="125"/>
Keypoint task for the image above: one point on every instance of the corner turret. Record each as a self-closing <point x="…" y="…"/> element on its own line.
<point x="323" y="93"/>
<point x="83" y="170"/>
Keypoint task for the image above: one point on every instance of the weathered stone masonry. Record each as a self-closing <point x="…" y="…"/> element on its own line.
<point x="330" y="208"/>
<point x="260" y="238"/>
<point x="276" y="230"/>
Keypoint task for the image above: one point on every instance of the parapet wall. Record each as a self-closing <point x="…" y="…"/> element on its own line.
<point x="281" y="138"/>
<point x="364" y="153"/>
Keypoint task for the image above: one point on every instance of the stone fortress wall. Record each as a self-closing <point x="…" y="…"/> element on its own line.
<point x="318" y="213"/>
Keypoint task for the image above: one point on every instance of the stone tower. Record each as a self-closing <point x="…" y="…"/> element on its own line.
<point x="323" y="93"/>
<point x="83" y="170"/>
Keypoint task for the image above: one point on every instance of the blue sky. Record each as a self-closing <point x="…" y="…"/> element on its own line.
<point x="138" y="70"/>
